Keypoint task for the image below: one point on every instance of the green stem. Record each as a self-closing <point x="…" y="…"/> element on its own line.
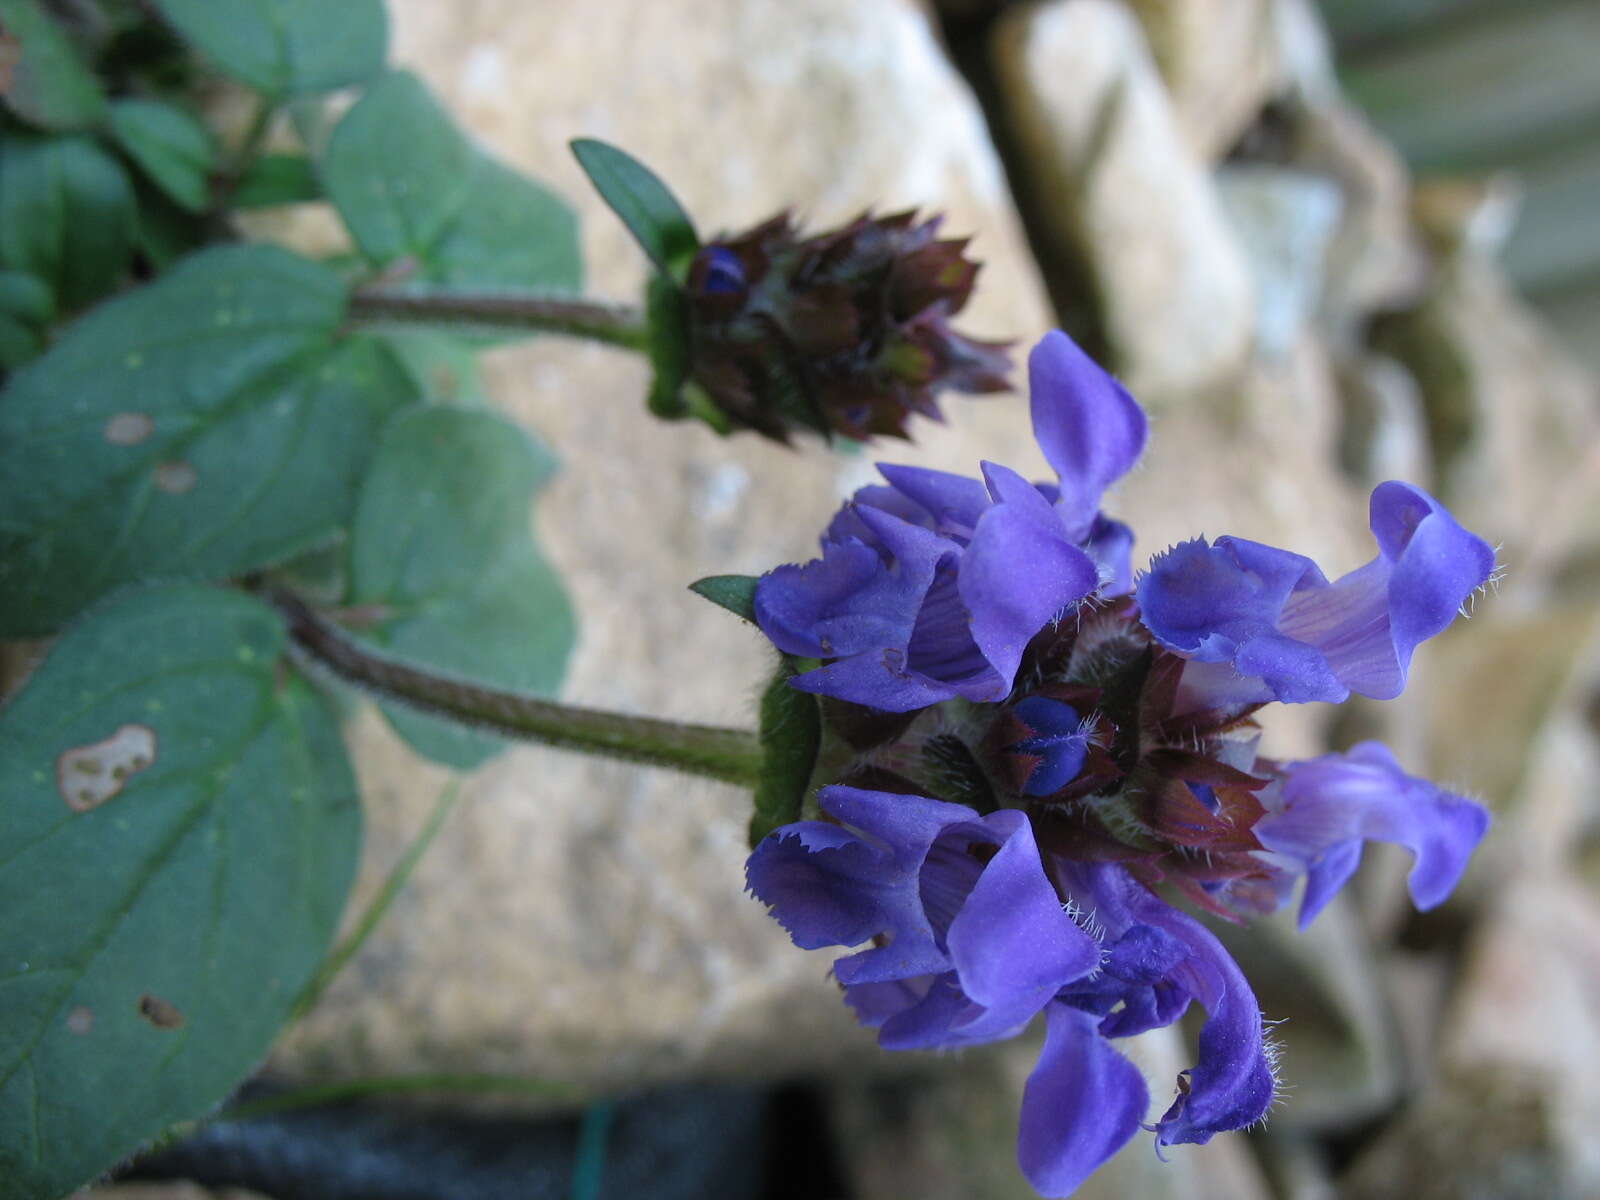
<point x="731" y="755"/>
<point x="398" y="875"/>
<point x="516" y="312"/>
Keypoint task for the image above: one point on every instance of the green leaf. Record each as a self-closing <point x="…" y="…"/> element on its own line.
<point x="441" y="545"/>
<point x="159" y="926"/>
<point x="211" y="423"/>
<point x="651" y="212"/>
<point x="736" y="593"/>
<point x="25" y="297"/>
<point x="66" y="214"/>
<point x="413" y="189"/>
<point x="25" y="309"/>
<point x="444" y="366"/>
<point x="791" y="735"/>
<point x="50" y="87"/>
<point x="173" y="148"/>
<point x="286" y="47"/>
<point x="275" y="179"/>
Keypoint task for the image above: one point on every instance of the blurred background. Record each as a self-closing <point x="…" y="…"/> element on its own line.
<point x="1326" y="245"/>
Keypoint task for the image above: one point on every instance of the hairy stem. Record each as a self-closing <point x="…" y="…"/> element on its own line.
<point x="518" y="312"/>
<point x="731" y="755"/>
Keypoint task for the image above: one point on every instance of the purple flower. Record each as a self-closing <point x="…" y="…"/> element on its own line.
<point x="1321" y="811"/>
<point x="1157" y="961"/>
<point x="970" y="939"/>
<point x="1287" y="633"/>
<point x="932" y="587"/>
<point x="1117" y="763"/>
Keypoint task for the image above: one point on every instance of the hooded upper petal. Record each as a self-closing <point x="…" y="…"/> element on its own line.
<point x="1019" y="573"/>
<point x="1090" y="429"/>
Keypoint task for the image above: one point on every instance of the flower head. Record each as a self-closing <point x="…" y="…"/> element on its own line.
<point x="1103" y="747"/>
<point x="932" y="587"/>
<point x="842" y="332"/>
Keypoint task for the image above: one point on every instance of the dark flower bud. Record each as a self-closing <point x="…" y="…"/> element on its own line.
<point x="845" y="332"/>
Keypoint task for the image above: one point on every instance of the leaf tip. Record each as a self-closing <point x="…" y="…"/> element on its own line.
<point x="736" y="593"/>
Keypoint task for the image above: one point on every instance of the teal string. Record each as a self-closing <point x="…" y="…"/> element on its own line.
<point x="591" y="1159"/>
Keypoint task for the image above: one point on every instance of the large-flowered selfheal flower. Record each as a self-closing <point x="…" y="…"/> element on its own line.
<point x="1157" y="962"/>
<point x="1114" y="755"/>
<point x="970" y="939"/>
<point x="1286" y="633"/>
<point x="931" y="587"/>
<point x="1322" y="811"/>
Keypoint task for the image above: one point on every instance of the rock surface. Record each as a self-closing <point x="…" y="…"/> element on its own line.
<point x="1221" y="60"/>
<point x="1124" y="192"/>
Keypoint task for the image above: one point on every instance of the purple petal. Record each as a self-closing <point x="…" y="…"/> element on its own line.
<point x="1089" y="428"/>
<point x="1370" y="621"/>
<point x="1204" y="601"/>
<point x="905" y="825"/>
<point x="954" y="501"/>
<point x="1231" y="1085"/>
<point x="840" y="604"/>
<point x="820" y="882"/>
<point x="1110" y="544"/>
<point x="1012" y="944"/>
<point x="876" y="1003"/>
<point x="847" y="525"/>
<point x="1081" y="1104"/>
<point x="942" y="646"/>
<point x="1019" y="574"/>
<point x="878" y="679"/>
<point x="1327" y="807"/>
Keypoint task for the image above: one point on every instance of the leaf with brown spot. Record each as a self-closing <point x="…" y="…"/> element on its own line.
<point x="87" y="776"/>
<point x="203" y="895"/>
<point x="161" y="1013"/>
<point x="229" y="379"/>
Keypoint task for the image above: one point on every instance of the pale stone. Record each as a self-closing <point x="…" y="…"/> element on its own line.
<point x="1526" y="1006"/>
<point x="1220" y="59"/>
<point x="1385" y="432"/>
<point x="1122" y="191"/>
<point x="1284" y="220"/>
<point x="1375" y="260"/>
<point x="584" y="921"/>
